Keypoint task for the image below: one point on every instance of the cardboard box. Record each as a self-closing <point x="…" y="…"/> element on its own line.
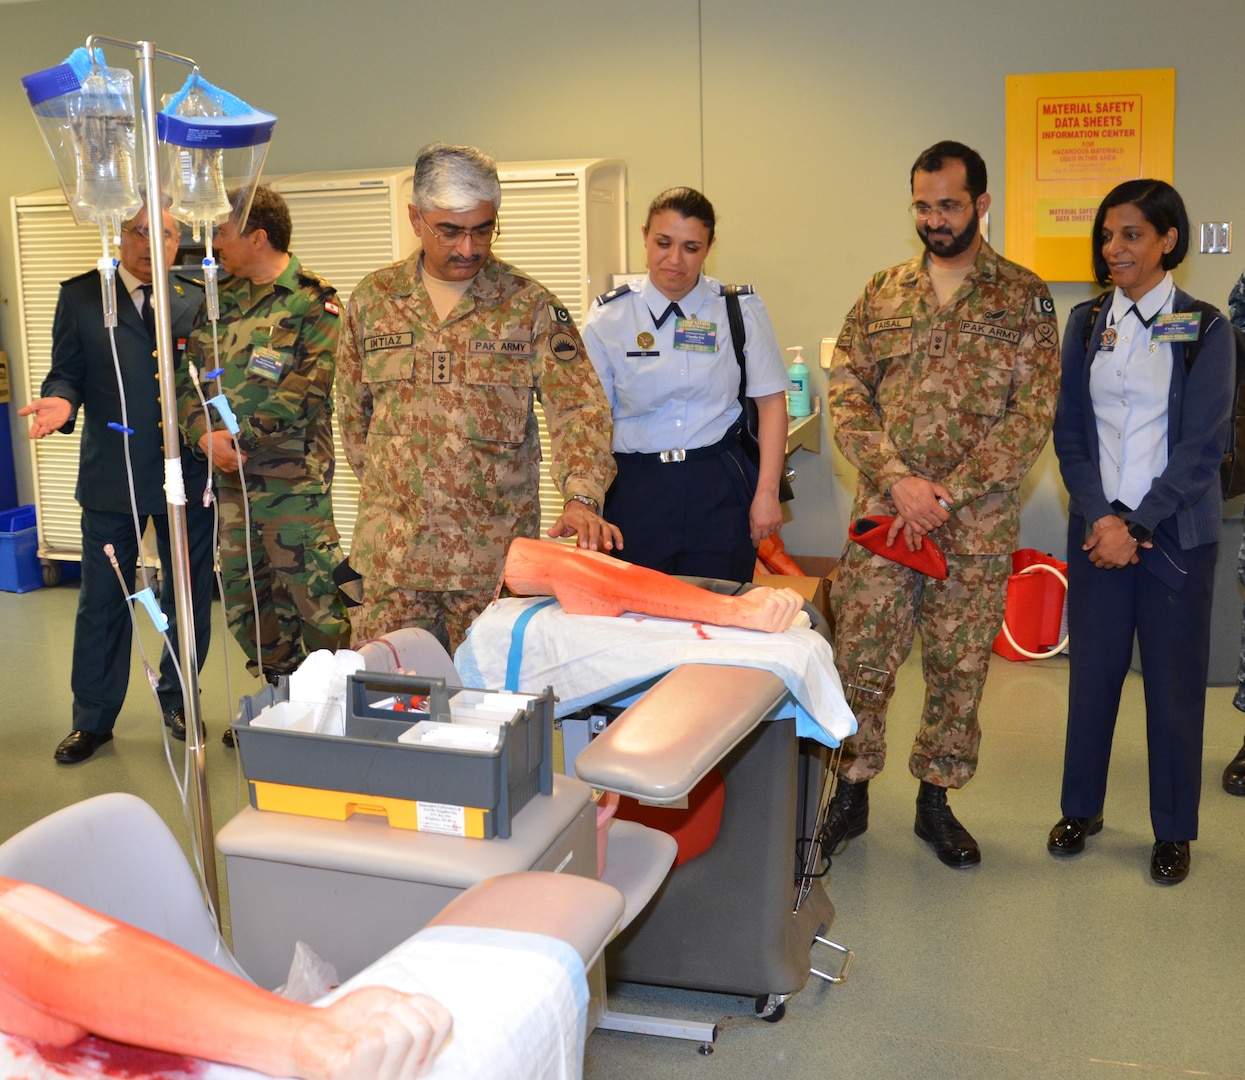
<point x="814" y="586"/>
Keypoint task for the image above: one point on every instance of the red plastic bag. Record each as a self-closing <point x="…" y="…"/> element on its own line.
<point x="1033" y="620"/>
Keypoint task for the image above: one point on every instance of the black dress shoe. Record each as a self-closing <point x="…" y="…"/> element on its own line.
<point x="1169" y="861"/>
<point x="1234" y="774"/>
<point x="847" y="815"/>
<point x="952" y="843"/>
<point x="175" y="721"/>
<point x="80" y="745"/>
<point x="1068" y="835"/>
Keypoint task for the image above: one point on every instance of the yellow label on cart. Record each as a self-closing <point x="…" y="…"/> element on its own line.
<point x="340" y="805"/>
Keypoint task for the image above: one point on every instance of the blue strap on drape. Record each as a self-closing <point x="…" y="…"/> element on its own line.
<point x="514" y="659"/>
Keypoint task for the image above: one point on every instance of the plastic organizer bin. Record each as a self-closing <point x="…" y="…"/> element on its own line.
<point x="20" y="570"/>
<point x="433" y="788"/>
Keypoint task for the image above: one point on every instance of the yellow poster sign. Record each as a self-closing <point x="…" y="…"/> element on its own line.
<point x="1071" y="138"/>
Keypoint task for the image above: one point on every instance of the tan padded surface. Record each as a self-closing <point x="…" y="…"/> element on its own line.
<point x="581" y="911"/>
<point x="661" y="746"/>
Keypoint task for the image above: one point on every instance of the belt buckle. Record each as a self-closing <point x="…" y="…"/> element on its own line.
<point x="667" y="456"/>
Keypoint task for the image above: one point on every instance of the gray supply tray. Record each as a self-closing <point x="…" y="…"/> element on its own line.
<point x="369" y="760"/>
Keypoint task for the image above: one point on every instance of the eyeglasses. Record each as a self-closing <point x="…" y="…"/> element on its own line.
<point x="144" y="233"/>
<point x="452" y="235"/>
<point x="946" y="209"/>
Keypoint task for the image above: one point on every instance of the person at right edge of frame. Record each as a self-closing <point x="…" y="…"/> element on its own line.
<point x="1234" y="773"/>
<point x="1140" y="434"/>
<point x="942" y="394"/>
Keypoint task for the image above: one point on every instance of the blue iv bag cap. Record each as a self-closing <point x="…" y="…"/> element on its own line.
<point x="239" y="126"/>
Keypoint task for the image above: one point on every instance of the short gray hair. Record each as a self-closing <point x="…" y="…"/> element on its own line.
<point x="454" y="178"/>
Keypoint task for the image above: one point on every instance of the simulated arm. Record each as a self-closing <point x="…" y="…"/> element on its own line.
<point x="66" y="971"/>
<point x="590" y="583"/>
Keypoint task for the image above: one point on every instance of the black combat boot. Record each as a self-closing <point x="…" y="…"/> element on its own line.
<point x="952" y="843"/>
<point x="847" y="815"/>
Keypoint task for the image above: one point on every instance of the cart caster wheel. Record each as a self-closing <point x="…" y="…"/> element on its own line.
<point x="771" y="1007"/>
<point x="51" y="574"/>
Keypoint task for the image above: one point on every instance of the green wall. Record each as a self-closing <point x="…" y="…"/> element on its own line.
<point x="798" y="118"/>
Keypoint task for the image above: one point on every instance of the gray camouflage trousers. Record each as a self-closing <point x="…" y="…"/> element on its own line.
<point x="879" y="606"/>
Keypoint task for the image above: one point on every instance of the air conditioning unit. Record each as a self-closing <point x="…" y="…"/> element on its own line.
<point x="563" y="222"/>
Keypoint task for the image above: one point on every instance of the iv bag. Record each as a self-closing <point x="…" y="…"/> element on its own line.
<point x="196" y="183"/>
<point x="214" y="145"/>
<point x="85" y="112"/>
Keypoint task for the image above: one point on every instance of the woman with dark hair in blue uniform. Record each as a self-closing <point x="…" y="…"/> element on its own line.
<point x="687" y="498"/>
<point x="1140" y="431"/>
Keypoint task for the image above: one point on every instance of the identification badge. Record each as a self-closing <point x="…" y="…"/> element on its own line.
<point x="1178" y="326"/>
<point x="693" y="335"/>
<point x="266" y="363"/>
<point x="644" y="339"/>
<point x="1109" y="337"/>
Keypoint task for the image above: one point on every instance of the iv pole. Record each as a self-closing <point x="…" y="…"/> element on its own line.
<point x="201" y="807"/>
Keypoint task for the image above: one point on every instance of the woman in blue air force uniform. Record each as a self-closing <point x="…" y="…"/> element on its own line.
<point x="687" y="498"/>
<point x="1139" y="434"/>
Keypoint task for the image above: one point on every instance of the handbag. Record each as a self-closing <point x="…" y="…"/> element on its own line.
<point x="749" y="424"/>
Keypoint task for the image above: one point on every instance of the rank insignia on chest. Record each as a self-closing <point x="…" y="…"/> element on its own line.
<point x="441" y="366"/>
<point x="938" y="343"/>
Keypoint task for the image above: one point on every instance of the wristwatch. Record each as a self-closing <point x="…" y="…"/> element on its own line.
<point x="1139" y="532"/>
<point x="587" y="500"/>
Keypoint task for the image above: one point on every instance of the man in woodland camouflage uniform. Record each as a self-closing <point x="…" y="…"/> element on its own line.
<point x="439" y="366"/>
<point x="942" y="394"/>
<point x="276" y="336"/>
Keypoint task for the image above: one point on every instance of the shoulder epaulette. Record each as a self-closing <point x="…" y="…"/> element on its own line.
<point x="740" y="290"/>
<point x="613" y="294"/>
<point x="78" y="277"/>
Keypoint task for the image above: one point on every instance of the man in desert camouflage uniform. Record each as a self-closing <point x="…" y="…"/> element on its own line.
<point x="275" y="340"/>
<point x="439" y="365"/>
<point x="942" y="394"/>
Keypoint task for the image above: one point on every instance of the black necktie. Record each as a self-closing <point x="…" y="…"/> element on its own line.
<point x="673" y="309"/>
<point x="148" y="312"/>
<point x="1144" y="321"/>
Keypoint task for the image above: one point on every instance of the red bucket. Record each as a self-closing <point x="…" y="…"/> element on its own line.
<point x="1033" y="620"/>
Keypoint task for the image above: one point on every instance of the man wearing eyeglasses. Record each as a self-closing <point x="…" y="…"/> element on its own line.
<point x="83" y="376"/>
<point x="942" y="394"/>
<point x="274" y="343"/>
<point x="441" y="360"/>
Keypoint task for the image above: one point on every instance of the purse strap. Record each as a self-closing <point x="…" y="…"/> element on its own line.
<point x="735" y="318"/>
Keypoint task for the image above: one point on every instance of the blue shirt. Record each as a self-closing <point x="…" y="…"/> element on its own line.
<point x="1129" y="381"/>
<point x="663" y="395"/>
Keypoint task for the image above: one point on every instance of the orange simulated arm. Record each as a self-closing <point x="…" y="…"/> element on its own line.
<point x="592" y="583"/>
<point x="67" y="971"/>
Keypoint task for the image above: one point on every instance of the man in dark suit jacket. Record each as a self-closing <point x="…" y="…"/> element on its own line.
<point x="83" y="375"/>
